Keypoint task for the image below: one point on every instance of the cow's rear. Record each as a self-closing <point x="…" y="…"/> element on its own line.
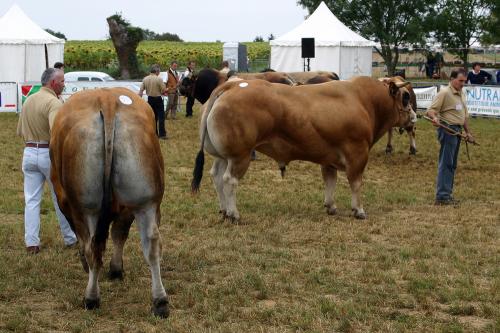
<point x="107" y="168"/>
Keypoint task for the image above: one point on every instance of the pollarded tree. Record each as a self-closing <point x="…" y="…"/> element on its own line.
<point x="391" y="23"/>
<point x="460" y="23"/>
<point x="125" y="38"/>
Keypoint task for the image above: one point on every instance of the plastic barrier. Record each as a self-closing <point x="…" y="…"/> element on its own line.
<point x="8" y="97"/>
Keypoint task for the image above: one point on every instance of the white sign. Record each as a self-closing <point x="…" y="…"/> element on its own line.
<point x="483" y="100"/>
<point x="425" y="96"/>
<point x="8" y="97"/>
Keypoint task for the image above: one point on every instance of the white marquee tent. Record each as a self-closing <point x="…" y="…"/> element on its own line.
<point x="337" y="48"/>
<point x="25" y="48"/>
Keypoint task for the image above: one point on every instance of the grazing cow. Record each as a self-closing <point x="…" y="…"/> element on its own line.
<point x="200" y="86"/>
<point x="333" y="124"/>
<point x="410" y="129"/>
<point x="107" y="168"/>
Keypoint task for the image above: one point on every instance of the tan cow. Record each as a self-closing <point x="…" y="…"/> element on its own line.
<point x="107" y="168"/>
<point x="333" y="124"/>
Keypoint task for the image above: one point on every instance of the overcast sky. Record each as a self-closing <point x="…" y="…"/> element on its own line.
<point x="200" y="20"/>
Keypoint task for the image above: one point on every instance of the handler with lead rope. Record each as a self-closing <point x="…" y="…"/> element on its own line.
<point x="449" y="107"/>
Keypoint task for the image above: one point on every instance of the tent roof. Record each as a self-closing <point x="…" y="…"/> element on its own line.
<point x="17" y="28"/>
<point x="326" y="29"/>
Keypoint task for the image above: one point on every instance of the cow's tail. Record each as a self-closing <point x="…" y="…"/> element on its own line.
<point x="200" y="157"/>
<point x="104" y="220"/>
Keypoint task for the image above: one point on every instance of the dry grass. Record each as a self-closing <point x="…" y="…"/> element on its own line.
<point x="289" y="267"/>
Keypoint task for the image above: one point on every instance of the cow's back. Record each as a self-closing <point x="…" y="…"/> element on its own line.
<point x="79" y="151"/>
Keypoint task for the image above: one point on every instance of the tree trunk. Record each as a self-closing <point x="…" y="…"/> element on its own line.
<point x="125" y="49"/>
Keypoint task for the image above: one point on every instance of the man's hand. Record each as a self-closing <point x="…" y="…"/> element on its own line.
<point x="435" y="121"/>
<point x="469" y="137"/>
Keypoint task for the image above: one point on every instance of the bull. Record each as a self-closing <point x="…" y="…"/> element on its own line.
<point x="107" y="170"/>
<point x="334" y="124"/>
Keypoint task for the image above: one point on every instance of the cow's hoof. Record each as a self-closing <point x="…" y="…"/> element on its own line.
<point x="160" y="307"/>
<point x="91" y="304"/>
<point x="331" y="210"/>
<point x="359" y="214"/>
<point x="115" y="274"/>
<point x="388" y="150"/>
<point x="413" y="151"/>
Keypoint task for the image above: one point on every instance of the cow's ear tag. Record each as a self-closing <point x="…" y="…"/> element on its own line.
<point x="125" y="99"/>
<point x="243" y="84"/>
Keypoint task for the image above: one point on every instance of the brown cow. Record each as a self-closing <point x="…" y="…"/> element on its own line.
<point x="303" y="77"/>
<point x="333" y="124"/>
<point x="107" y="167"/>
<point x="200" y="86"/>
<point x="410" y="129"/>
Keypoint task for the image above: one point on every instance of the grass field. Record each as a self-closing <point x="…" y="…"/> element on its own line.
<point x="288" y="267"/>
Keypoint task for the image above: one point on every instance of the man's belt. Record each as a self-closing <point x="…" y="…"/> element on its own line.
<point x="37" y="145"/>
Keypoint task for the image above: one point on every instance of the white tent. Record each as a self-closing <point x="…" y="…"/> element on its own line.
<point x="337" y="48"/>
<point x="25" y="48"/>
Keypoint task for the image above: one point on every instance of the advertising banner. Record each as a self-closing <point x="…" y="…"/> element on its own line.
<point x="483" y="100"/>
<point x="29" y="88"/>
<point x="8" y="97"/>
<point x="425" y="96"/>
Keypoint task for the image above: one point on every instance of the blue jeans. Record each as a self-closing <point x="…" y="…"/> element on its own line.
<point x="448" y="157"/>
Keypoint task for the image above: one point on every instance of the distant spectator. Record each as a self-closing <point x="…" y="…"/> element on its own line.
<point x="190" y="99"/>
<point x="478" y="76"/>
<point x="430" y="64"/>
<point x="59" y="65"/>
<point x="225" y="67"/>
<point x="173" y="96"/>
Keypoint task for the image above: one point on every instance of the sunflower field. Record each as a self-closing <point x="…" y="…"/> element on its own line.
<point x="101" y="55"/>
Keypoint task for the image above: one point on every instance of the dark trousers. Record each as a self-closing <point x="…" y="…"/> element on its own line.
<point x="189" y="106"/>
<point x="448" y="158"/>
<point x="157" y="106"/>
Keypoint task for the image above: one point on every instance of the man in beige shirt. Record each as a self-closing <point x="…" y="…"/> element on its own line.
<point x="35" y="123"/>
<point x="155" y="88"/>
<point x="449" y="108"/>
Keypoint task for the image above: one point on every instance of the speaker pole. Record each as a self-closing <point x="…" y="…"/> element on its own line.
<point x="308" y="65"/>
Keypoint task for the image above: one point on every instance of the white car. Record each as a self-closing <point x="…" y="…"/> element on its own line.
<point x="87" y="76"/>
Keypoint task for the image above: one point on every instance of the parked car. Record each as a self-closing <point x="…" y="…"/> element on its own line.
<point x="87" y="76"/>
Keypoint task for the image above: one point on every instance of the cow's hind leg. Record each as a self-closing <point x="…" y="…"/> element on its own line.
<point x="234" y="172"/>
<point x="330" y="178"/>
<point x="148" y="220"/>
<point x="119" y="233"/>
<point x="93" y="255"/>
<point x="217" y="173"/>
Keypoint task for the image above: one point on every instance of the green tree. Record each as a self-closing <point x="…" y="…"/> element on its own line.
<point x="125" y="39"/>
<point x="169" y="37"/>
<point x="492" y="27"/>
<point x="460" y="23"/>
<point x="258" y="39"/>
<point x="56" y="33"/>
<point x="391" y="23"/>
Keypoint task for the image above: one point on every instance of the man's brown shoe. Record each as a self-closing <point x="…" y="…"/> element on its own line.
<point x="33" y="249"/>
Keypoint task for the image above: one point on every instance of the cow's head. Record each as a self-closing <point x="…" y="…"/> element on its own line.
<point x="186" y="88"/>
<point x="401" y="97"/>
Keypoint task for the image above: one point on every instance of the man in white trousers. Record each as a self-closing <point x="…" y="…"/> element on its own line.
<point x="34" y="126"/>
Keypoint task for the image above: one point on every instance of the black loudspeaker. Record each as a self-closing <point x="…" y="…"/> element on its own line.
<point x="307" y="47"/>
